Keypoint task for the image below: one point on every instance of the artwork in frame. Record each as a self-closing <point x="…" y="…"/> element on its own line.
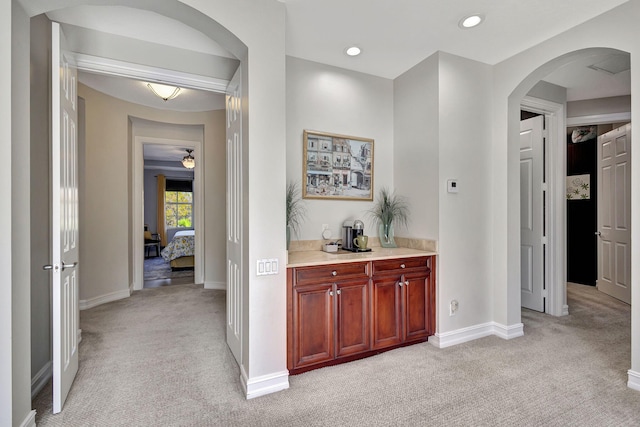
<point x="337" y="167"/>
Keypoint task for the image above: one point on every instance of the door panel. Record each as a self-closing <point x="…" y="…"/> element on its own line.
<point x="532" y="213"/>
<point x="313" y="317"/>
<point x="352" y="318"/>
<point x="614" y="213"/>
<point x="416" y="304"/>
<point x="386" y="312"/>
<point x="235" y="215"/>
<point x="64" y="213"/>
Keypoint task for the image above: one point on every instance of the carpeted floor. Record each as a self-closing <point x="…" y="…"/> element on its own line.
<point x="157" y="268"/>
<point x="159" y="359"/>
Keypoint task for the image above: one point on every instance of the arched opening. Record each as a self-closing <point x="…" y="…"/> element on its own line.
<point x="556" y="202"/>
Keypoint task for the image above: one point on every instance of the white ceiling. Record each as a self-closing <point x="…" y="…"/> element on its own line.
<point x="164" y="152"/>
<point x="394" y="36"/>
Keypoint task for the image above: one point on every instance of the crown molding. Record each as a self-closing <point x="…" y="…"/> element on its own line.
<point x="112" y="67"/>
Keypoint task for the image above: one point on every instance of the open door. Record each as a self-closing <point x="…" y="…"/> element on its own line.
<point x="64" y="219"/>
<point x="532" y="213"/>
<point x="235" y="206"/>
<point x="614" y="213"/>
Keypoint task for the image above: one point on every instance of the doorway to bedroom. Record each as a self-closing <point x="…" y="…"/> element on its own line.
<point x="168" y="204"/>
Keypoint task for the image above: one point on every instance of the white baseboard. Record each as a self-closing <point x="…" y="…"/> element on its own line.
<point x="222" y="286"/>
<point x="30" y="421"/>
<point x="41" y="378"/>
<point x="459" y="336"/>
<point x="634" y="380"/>
<point x="103" y="299"/>
<point x="265" y="384"/>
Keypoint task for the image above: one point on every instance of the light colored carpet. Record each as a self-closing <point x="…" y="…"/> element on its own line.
<point x="159" y="359"/>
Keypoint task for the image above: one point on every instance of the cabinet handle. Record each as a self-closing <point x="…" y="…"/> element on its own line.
<point x="402" y="265"/>
<point x="338" y="292"/>
<point x="334" y="273"/>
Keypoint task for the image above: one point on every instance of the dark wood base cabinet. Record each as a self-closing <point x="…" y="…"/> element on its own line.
<point x="341" y="312"/>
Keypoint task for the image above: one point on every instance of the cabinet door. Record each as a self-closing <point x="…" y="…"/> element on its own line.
<point x="386" y="311"/>
<point x="312" y="325"/>
<point x="352" y="330"/>
<point x="416" y="305"/>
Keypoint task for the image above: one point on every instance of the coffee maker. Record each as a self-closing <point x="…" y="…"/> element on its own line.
<point x="351" y="230"/>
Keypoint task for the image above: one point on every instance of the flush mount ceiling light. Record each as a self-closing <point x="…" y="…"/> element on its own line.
<point x="471" y="21"/>
<point x="188" y="161"/>
<point x="163" y="91"/>
<point x="353" y="51"/>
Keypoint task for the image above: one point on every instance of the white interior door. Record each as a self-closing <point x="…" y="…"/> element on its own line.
<point x="235" y="186"/>
<point x="64" y="225"/>
<point x="614" y="213"/>
<point x="532" y="213"/>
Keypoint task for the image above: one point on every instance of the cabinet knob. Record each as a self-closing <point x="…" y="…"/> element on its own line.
<point x="402" y="265"/>
<point x="334" y="273"/>
<point x="406" y="282"/>
<point x="338" y="292"/>
<point x="330" y="293"/>
<point x="400" y="283"/>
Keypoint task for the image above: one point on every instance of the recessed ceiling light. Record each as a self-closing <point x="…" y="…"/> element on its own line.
<point x="470" y="21"/>
<point x="353" y="51"/>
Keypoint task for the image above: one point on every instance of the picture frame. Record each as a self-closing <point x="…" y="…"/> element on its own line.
<point x="337" y="166"/>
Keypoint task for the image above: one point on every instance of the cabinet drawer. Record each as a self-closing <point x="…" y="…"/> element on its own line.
<point x="333" y="272"/>
<point x="400" y="265"/>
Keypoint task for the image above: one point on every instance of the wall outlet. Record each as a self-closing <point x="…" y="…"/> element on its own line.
<point x="453" y="307"/>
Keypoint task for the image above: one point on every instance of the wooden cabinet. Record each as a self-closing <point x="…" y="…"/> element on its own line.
<point x="329" y="313"/>
<point x="341" y="312"/>
<point x="401" y="309"/>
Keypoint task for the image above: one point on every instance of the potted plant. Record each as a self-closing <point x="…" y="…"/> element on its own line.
<point x="296" y="210"/>
<point x="388" y="209"/>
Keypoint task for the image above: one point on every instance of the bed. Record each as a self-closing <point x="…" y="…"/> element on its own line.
<point x="179" y="253"/>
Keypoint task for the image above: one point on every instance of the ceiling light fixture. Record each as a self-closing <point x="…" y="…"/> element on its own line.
<point x="353" y="51"/>
<point x="470" y="21"/>
<point x="188" y="161"/>
<point x="163" y="91"/>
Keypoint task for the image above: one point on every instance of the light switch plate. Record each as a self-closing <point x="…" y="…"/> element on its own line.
<point x="267" y="266"/>
<point x="452" y="186"/>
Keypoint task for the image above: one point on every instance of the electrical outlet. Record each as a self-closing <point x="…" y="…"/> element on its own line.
<point x="453" y="307"/>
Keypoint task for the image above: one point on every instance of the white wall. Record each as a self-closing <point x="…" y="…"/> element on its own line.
<point x="590" y="107"/>
<point x="465" y="239"/>
<point x="19" y="224"/>
<point x="40" y="203"/>
<point x="106" y="203"/>
<point x="416" y="148"/>
<point x="329" y="99"/>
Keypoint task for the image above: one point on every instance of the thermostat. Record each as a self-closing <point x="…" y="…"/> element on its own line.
<point x="452" y="186"/>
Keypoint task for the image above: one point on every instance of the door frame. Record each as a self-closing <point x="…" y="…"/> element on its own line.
<point x="555" y="257"/>
<point x="138" y="205"/>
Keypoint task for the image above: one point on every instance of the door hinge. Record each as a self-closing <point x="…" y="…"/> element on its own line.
<point x="545" y="293"/>
<point x="545" y="240"/>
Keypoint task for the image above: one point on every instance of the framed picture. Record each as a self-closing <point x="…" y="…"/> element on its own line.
<point x="337" y="167"/>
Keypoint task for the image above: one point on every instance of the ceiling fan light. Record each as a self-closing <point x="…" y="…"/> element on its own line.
<point x="188" y="161"/>
<point x="164" y="91"/>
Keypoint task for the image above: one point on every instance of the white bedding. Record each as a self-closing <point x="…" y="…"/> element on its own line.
<point x="185" y="233"/>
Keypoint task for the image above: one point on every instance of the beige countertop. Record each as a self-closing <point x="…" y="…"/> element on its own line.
<point x="308" y="258"/>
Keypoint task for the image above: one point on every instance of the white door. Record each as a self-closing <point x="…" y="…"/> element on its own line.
<point x="64" y="217"/>
<point x="532" y="213"/>
<point x="235" y="206"/>
<point x="614" y="213"/>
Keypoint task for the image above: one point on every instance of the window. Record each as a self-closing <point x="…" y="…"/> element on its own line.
<point x="178" y="204"/>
